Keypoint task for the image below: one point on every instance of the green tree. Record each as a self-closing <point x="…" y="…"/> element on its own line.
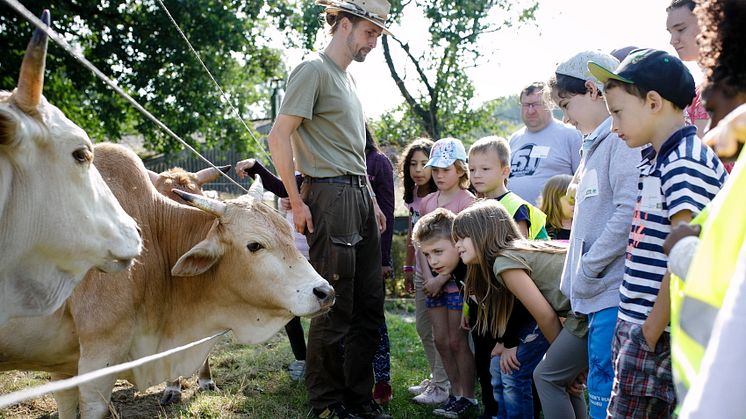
<point x="135" y="43"/>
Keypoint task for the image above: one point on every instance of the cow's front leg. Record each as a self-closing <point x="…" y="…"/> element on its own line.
<point x="96" y="394"/>
<point x="67" y="400"/>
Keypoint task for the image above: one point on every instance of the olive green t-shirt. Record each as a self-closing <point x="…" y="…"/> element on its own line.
<point x="331" y="139"/>
<point x="545" y="269"/>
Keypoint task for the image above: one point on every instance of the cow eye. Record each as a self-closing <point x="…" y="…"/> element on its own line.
<point x="82" y="155"/>
<point x="254" y="246"/>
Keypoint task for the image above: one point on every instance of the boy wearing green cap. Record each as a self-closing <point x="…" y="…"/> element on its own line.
<point x="679" y="175"/>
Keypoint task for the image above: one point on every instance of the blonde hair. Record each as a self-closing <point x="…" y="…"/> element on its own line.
<point x="492" y="231"/>
<point x="554" y="190"/>
<point x="433" y="226"/>
<point x="493" y="143"/>
<point x="463" y="180"/>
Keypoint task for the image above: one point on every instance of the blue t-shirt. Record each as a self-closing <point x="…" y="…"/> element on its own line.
<point x="685" y="175"/>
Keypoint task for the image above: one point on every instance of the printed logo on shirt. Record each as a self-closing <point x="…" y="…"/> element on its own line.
<point x="526" y="159"/>
<point x="414" y="215"/>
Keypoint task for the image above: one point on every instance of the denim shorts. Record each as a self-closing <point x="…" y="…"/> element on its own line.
<point x="450" y="300"/>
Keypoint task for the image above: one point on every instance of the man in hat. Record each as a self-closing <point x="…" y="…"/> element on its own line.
<point x="321" y="124"/>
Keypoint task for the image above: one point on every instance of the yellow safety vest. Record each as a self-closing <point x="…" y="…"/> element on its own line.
<point x="536" y="230"/>
<point x="696" y="301"/>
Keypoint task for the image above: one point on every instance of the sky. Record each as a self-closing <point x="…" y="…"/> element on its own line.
<point x="517" y="56"/>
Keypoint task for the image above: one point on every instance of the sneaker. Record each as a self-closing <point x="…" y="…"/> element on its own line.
<point x="382" y="392"/>
<point x="297" y="370"/>
<point x="419" y="388"/>
<point x="440" y="410"/>
<point x="459" y="409"/>
<point x="434" y="394"/>
<point x="371" y="410"/>
<point x="334" y="411"/>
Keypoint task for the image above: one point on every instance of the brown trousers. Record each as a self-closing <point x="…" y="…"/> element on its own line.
<point x="345" y="249"/>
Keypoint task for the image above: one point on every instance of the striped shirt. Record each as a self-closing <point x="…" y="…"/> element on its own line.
<point x="685" y="175"/>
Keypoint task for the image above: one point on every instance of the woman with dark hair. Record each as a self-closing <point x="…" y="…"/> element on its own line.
<point x="381" y="176"/>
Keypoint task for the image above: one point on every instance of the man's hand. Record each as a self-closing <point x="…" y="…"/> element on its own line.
<point x="677" y="233"/>
<point x="244" y="165"/>
<point x="302" y="218"/>
<point x="285" y="204"/>
<point x="509" y="360"/>
<point x="650" y="336"/>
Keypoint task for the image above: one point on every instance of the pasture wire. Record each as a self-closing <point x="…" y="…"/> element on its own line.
<point x="30" y="393"/>
<point x="68" y="383"/>
<point x="81" y="59"/>
<point x="217" y="85"/>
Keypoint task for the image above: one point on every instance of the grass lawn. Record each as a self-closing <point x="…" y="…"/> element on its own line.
<point x="253" y="382"/>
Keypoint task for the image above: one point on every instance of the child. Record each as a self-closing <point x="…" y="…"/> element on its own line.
<point x="418" y="183"/>
<point x="556" y="205"/>
<point x="432" y="233"/>
<point x="607" y="186"/>
<point x="489" y="168"/>
<point x="504" y="273"/>
<point x="444" y="300"/>
<point x="679" y="175"/>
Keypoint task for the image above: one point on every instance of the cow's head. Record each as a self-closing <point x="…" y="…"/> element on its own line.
<point x="58" y="218"/>
<point x="251" y="249"/>
<point x="178" y="178"/>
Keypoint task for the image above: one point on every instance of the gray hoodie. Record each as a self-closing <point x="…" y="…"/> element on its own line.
<point x="604" y="203"/>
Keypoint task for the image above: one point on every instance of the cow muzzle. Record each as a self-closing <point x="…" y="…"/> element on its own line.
<point x="325" y="295"/>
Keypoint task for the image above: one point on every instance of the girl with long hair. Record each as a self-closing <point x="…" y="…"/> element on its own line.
<point x="507" y="274"/>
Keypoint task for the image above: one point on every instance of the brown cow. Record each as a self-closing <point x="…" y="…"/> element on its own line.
<point x="229" y="265"/>
<point x="165" y="182"/>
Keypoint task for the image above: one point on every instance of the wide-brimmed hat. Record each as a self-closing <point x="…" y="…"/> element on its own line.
<point x="374" y="11"/>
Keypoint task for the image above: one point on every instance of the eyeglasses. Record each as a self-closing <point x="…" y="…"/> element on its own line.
<point x="534" y="105"/>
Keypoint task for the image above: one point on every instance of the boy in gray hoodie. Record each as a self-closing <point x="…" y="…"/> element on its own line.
<point x="604" y="202"/>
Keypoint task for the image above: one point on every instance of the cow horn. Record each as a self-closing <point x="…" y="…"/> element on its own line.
<point x="256" y="190"/>
<point x="213" y="206"/>
<point x="31" y="79"/>
<point x="211" y="174"/>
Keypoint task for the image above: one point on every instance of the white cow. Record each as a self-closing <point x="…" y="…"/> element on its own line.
<point x="230" y="265"/>
<point x="58" y="219"/>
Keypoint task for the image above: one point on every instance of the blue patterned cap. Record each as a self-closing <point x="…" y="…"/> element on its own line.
<point x="446" y="151"/>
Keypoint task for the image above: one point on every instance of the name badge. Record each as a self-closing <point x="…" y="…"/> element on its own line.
<point x="589" y="184"/>
<point x="651" y="198"/>
<point x="539" y="152"/>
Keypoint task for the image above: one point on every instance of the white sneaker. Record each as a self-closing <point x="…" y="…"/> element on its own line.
<point x="419" y="388"/>
<point x="434" y="394"/>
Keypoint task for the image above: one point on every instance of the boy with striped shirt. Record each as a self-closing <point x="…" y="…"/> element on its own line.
<point x="679" y="175"/>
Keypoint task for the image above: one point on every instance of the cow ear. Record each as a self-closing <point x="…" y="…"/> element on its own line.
<point x="199" y="258"/>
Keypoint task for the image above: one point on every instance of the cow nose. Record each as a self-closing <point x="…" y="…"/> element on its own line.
<point x="325" y="294"/>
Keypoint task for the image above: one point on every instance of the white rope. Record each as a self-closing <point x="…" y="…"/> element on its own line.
<point x="220" y="88"/>
<point x="30" y="393"/>
<point x="67" y="47"/>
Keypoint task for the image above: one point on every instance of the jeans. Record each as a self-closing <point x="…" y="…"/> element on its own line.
<point x="600" y="368"/>
<point x="513" y="391"/>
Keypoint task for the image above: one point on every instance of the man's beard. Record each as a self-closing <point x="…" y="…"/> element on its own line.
<point x="360" y="54"/>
